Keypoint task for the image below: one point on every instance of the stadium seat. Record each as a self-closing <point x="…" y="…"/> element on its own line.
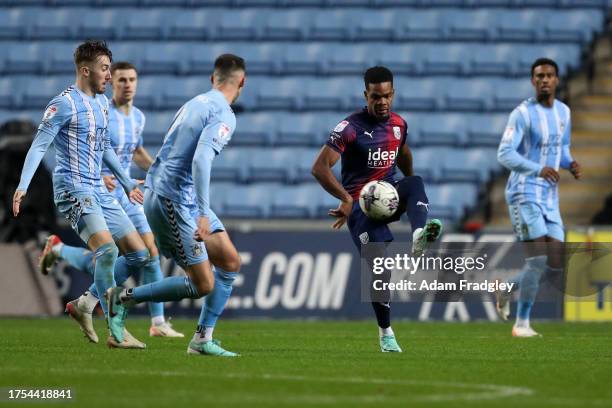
<point x="307" y="59"/>
<point x="107" y="24"/>
<point x="420" y="25"/>
<point x="300" y="129"/>
<point x="190" y="25"/>
<point x="378" y="26"/>
<point x="427" y="162"/>
<point x="470" y="25"/>
<point x="261" y="59"/>
<point x="13" y="24"/>
<point x="24" y="58"/>
<point x="497" y="59"/>
<point x="446" y="59"/>
<point x="507" y="94"/>
<point x="254" y="129"/>
<point x="304" y="160"/>
<point x="419" y="94"/>
<point x="54" y="24"/>
<point x="125" y="51"/>
<point x="331" y="25"/>
<point x="329" y="94"/>
<point x="469" y="95"/>
<point x="486" y="129"/>
<point x="59" y="58"/>
<point x="404" y="59"/>
<point x="149" y="91"/>
<point x="271" y="165"/>
<point x="325" y="202"/>
<point x="218" y="193"/>
<point x="442" y="129"/>
<point x="279" y="94"/>
<point x="146" y="25"/>
<point x="293" y="202"/>
<point x="519" y="26"/>
<point x="350" y="60"/>
<point x="242" y="25"/>
<point x="156" y="126"/>
<point x="10" y="97"/>
<point x="231" y="165"/>
<point x="251" y="201"/>
<point x="572" y="26"/>
<point x="38" y="92"/>
<point x="168" y="59"/>
<point x="286" y="25"/>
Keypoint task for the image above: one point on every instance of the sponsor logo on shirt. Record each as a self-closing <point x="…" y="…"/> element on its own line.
<point x="224" y="131"/>
<point x="508" y="133"/>
<point x="49" y="114"/>
<point x="340" y="126"/>
<point x="380" y="158"/>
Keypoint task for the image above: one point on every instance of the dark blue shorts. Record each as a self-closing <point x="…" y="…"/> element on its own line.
<point x="364" y="229"/>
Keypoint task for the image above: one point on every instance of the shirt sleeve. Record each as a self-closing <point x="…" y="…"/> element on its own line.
<point x="57" y="114"/>
<point x="201" y="169"/>
<point x="341" y="136"/>
<point x="112" y="162"/>
<point x="507" y="153"/>
<point x="566" y="155"/>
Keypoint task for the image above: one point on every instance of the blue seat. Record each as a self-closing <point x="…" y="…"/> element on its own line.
<point x="286" y="25"/>
<point x="260" y="58"/>
<point x="238" y="25"/>
<point x="38" y="91"/>
<point x="202" y="57"/>
<point x="156" y="126"/>
<point x="458" y="168"/>
<point x="420" y="25"/>
<point x="305" y="160"/>
<point x="508" y="94"/>
<point x="469" y="95"/>
<point x="419" y="94"/>
<point x="250" y="201"/>
<point x="566" y="56"/>
<point x="497" y="59"/>
<point x="218" y="194"/>
<point x="13" y="24"/>
<point x="442" y="129"/>
<point x="25" y="58"/>
<point x="306" y="59"/>
<point x="279" y="94"/>
<point x="350" y="59"/>
<point x="379" y="26"/>
<point x="403" y="59"/>
<point x="270" y="165"/>
<point x="59" y="58"/>
<point x="165" y="58"/>
<point x="142" y="24"/>
<point x="293" y="202"/>
<point x="10" y="95"/>
<point x="427" y="162"/>
<point x="149" y="91"/>
<point x="325" y="202"/>
<point x="300" y="129"/>
<point x="107" y="24"/>
<point x="231" y="165"/>
<point x="124" y="51"/>
<point x="190" y="25"/>
<point x="470" y="25"/>
<point x="447" y="59"/>
<point x="486" y="129"/>
<point x="520" y="26"/>
<point x="329" y="94"/>
<point x="54" y="24"/>
<point x="254" y="129"/>
<point x="573" y="26"/>
<point x="332" y="25"/>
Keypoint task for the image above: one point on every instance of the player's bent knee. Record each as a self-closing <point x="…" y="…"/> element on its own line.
<point x="203" y="288"/>
<point x="233" y="264"/>
<point x="106" y="255"/>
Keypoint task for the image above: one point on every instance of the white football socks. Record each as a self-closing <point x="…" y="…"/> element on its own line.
<point x="385" y="332"/>
<point x="158" y="320"/>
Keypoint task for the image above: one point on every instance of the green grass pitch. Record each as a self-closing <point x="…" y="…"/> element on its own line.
<point x="316" y="364"/>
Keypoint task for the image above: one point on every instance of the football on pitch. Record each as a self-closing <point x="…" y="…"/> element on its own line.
<point x="378" y="200"/>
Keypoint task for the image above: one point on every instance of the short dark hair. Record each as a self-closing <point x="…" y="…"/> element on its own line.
<point x="122" y="65"/>
<point x="377" y="75"/>
<point x="226" y="65"/>
<point x="544" y="61"/>
<point x="90" y="50"/>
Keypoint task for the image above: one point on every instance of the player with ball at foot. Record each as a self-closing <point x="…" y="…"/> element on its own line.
<point x="371" y="143"/>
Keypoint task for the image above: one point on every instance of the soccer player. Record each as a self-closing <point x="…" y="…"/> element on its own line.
<point x="177" y="207"/>
<point x="372" y="143"/>
<point x="76" y="123"/>
<point x="125" y="127"/>
<point x="535" y="144"/>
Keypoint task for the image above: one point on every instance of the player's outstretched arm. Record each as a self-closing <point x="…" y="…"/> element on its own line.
<point x="321" y="170"/>
<point x="56" y="115"/>
<point x="200" y="170"/>
<point x="131" y="188"/>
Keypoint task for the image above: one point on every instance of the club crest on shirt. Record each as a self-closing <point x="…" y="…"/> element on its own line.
<point x="364" y="238"/>
<point x="224" y="131"/>
<point x="340" y="126"/>
<point x="397" y="132"/>
<point x="49" y="113"/>
<point x="197" y="249"/>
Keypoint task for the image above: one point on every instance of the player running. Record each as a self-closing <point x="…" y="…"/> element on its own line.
<point x="535" y="144"/>
<point x="375" y="129"/>
<point x="125" y="127"/>
<point x="76" y="123"/>
<point x="177" y="207"/>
